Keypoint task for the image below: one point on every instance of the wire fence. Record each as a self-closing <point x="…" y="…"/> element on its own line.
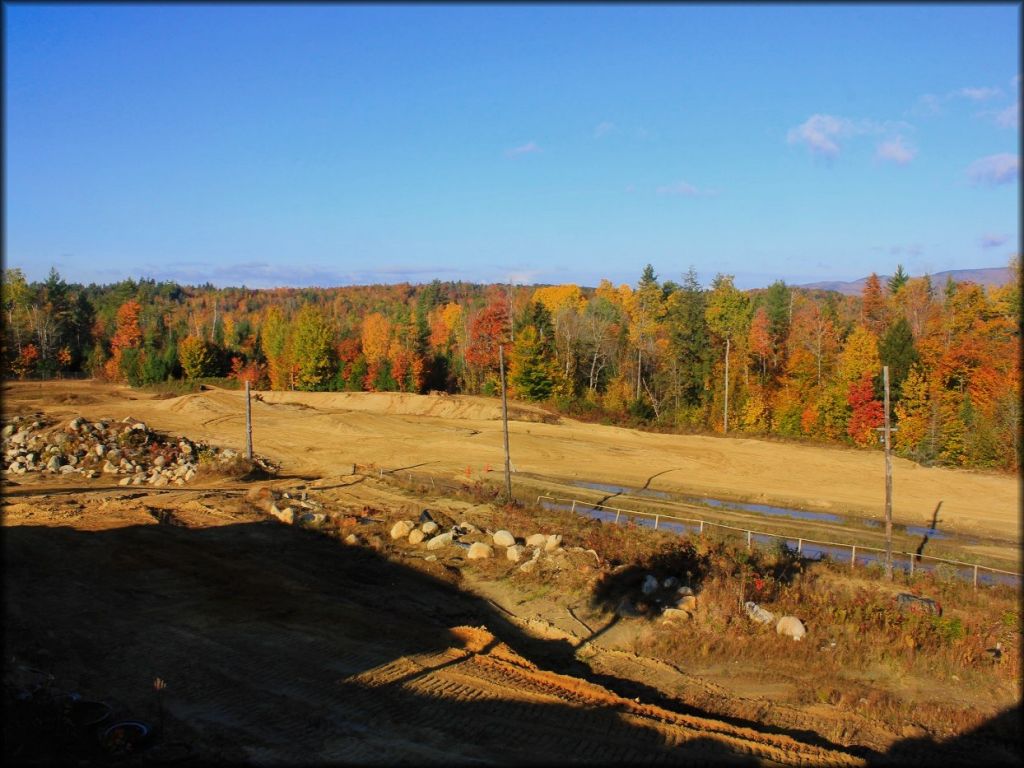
<point x="909" y="562"/>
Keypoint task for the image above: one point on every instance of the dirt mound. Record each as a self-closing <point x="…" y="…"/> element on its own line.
<point x="405" y="404"/>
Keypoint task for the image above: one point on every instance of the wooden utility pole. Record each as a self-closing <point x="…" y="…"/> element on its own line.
<point x="888" y="480"/>
<point x="504" y="421"/>
<point x="248" y="422"/>
<point x="725" y="425"/>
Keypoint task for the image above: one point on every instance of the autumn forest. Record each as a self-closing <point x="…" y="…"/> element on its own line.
<point x="673" y="356"/>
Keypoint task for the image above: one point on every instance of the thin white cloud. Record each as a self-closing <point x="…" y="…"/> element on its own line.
<point x="823" y="134"/>
<point x="992" y="241"/>
<point x="978" y="94"/>
<point x="896" y="150"/>
<point x="820" y="134"/>
<point x="603" y="129"/>
<point x="930" y="105"/>
<point x="995" y="170"/>
<point x="684" y="189"/>
<point x="1009" y="117"/>
<point x="914" y="249"/>
<point x="528" y="148"/>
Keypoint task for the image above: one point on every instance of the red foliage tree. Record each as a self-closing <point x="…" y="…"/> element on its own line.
<point x="866" y="412"/>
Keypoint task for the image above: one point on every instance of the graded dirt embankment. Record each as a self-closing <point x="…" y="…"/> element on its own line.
<point x="315" y="433"/>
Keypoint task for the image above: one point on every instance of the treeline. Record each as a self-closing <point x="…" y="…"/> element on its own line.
<point x="677" y="356"/>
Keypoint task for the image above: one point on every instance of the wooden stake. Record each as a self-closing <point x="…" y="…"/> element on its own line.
<point x="248" y="422"/>
<point x="888" y="481"/>
<point x="504" y="420"/>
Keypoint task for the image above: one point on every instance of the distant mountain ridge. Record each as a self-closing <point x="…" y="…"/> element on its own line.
<point x="989" y="277"/>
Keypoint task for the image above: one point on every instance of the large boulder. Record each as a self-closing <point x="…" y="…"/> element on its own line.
<point x="416" y="535"/>
<point x="401" y="529"/>
<point x="441" y="540"/>
<point x="675" y="614"/>
<point x="479" y="551"/>
<point x="537" y="540"/>
<point x="503" y="539"/>
<point x="554" y="541"/>
<point x="791" y="626"/>
<point x="515" y="552"/>
<point x="429" y="527"/>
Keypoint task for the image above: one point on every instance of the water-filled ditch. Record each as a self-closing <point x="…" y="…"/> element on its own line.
<point x="808" y="549"/>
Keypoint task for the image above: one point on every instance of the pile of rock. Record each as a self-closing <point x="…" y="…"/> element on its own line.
<point x="664" y="596"/>
<point x="289" y="509"/>
<point x="104" y="447"/>
<point x="481" y="544"/>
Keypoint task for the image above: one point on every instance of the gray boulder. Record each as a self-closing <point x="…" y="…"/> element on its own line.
<point x="757" y="613"/>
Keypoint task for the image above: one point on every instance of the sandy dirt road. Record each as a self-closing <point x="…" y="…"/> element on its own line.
<point x="316" y="433"/>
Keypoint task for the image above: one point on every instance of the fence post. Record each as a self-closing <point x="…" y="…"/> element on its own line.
<point x="853" y="557"/>
<point x="701" y="527"/>
<point x="574" y="506"/>
<point x="748" y="540"/>
<point x="799" y="546"/>
<point x="975" y="577"/>
<point x="911" y="566"/>
<point x="616" y="516"/>
<point x="655" y="522"/>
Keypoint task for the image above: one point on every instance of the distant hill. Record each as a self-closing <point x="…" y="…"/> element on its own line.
<point x="990" y="277"/>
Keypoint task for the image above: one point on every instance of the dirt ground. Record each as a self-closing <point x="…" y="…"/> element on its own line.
<point x="282" y="645"/>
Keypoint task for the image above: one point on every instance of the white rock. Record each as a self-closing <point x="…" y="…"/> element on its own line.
<point x="757" y="613"/>
<point x="53" y="464"/>
<point x="468" y="527"/>
<point x="528" y="566"/>
<point x="429" y="527"/>
<point x="416" y="536"/>
<point x="515" y="552"/>
<point x="441" y="540"/>
<point x="351" y="539"/>
<point x="159" y="482"/>
<point x="286" y="515"/>
<point x="688" y="603"/>
<point x="138" y="427"/>
<point x="554" y="541"/>
<point x="791" y="626"/>
<point x="537" y="540"/>
<point x="503" y="539"/>
<point x="401" y="529"/>
<point x="159" y="461"/>
<point x="124" y="481"/>
<point x="479" y="551"/>
<point x="673" y="614"/>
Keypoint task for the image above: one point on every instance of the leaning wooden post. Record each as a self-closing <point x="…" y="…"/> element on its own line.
<point x="888" y="481"/>
<point x="248" y="423"/>
<point x="504" y="420"/>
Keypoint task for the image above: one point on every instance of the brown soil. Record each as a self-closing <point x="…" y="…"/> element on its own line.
<point x="279" y="644"/>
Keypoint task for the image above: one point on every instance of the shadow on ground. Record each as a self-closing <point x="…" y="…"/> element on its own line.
<point x="281" y="645"/>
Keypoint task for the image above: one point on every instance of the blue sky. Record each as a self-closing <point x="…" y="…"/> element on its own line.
<point x="337" y="144"/>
